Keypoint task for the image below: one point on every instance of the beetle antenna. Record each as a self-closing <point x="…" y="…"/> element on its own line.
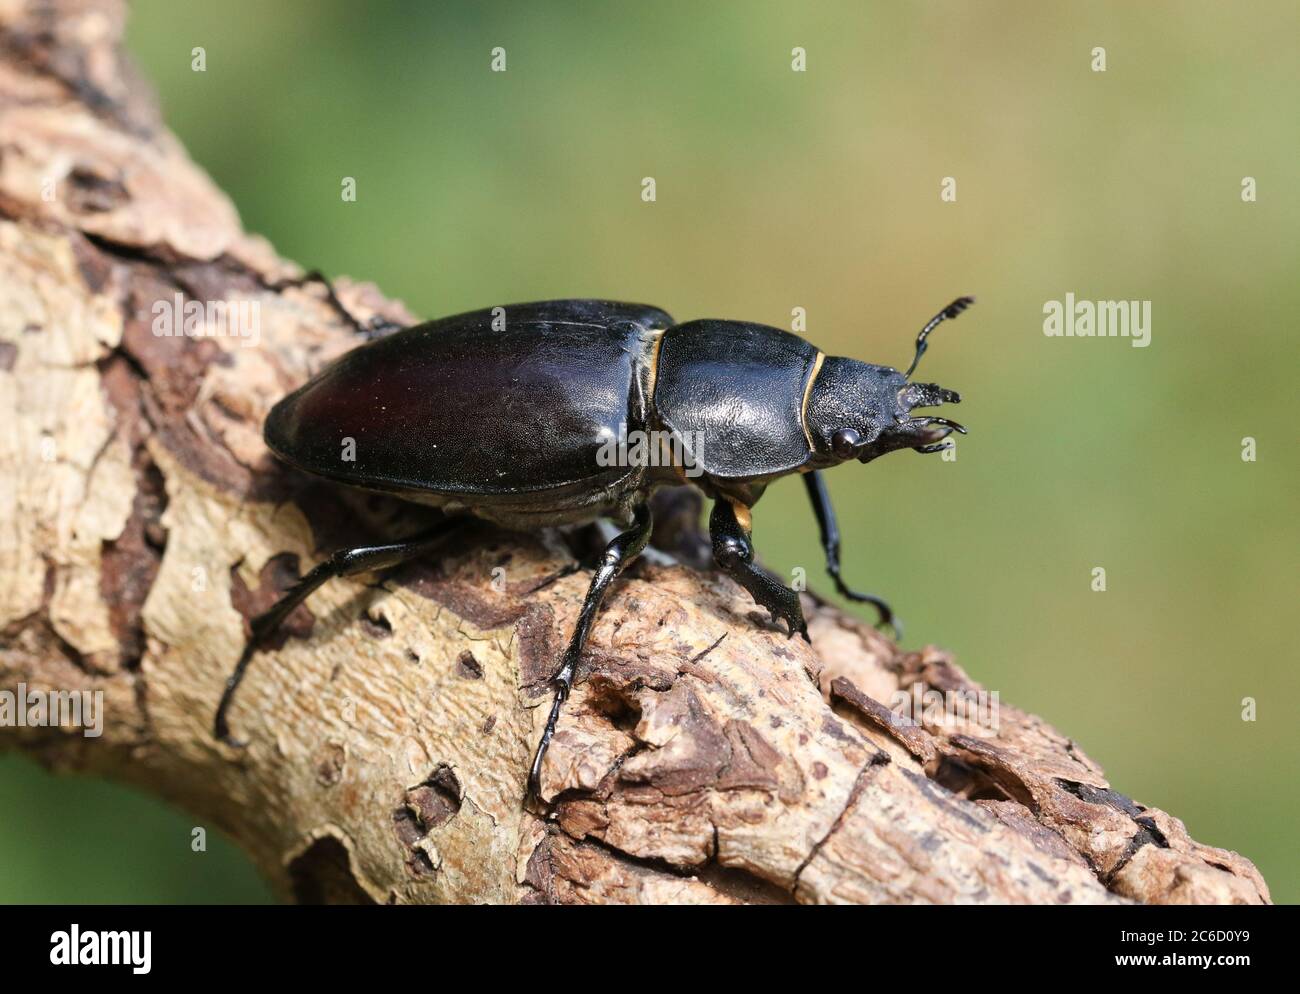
<point x="949" y="312"/>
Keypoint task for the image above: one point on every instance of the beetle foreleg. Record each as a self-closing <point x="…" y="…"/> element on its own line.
<point x="344" y="562"/>
<point x="618" y="554"/>
<point x="378" y="325"/>
<point x="734" y="553"/>
<point x="825" y="511"/>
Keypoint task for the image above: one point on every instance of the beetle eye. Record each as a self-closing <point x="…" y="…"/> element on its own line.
<point x="844" y="442"/>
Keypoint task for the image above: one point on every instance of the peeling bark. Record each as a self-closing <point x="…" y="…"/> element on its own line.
<point x="703" y="757"/>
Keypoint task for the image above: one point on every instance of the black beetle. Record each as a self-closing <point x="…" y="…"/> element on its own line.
<point x="510" y="413"/>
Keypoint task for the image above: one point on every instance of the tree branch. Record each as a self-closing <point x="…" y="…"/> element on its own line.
<point x="703" y="757"/>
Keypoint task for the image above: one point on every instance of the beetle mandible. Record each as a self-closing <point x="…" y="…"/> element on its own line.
<point x="436" y="411"/>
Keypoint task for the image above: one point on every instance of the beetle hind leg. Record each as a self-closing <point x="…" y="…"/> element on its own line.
<point x="344" y="562"/>
<point x="618" y="554"/>
<point x="734" y="553"/>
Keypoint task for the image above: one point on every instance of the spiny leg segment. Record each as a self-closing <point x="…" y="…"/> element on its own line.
<point x="344" y="562"/>
<point x="617" y="556"/>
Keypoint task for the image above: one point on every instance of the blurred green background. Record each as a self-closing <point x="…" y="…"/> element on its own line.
<point x="821" y="189"/>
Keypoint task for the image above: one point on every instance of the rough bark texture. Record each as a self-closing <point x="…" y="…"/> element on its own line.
<point x="704" y="757"/>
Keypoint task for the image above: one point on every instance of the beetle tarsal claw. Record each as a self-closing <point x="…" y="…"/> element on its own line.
<point x="895" y="626"/>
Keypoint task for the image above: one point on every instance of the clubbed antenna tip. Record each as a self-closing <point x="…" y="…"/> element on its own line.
<point x="957" y="306"/>
<point x="949" y="312"/>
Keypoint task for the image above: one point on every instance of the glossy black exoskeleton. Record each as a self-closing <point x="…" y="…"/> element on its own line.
<point x="570" y="410"/>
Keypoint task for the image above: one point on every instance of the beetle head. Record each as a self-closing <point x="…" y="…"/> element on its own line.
<point x="860" y="411"/>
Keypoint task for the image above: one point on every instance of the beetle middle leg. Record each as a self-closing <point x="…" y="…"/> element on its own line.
<point x="734" y="553"/>
<point x="618" y="554"/>
<point x="344" y="562"/>
<point x="825" y="511"/>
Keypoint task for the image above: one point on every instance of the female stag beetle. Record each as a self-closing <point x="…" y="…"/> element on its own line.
<point x="505" y="413"/>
